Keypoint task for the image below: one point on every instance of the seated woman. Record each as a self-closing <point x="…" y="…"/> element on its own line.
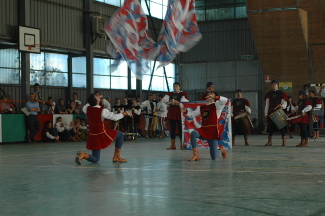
<point x="83" y="129"/>
<point x="5" y="106"/>
<point x="49" y="133"/>
<point x="74" y="128"/>
<point x="11" y="104"/>
<point x="72" y="108"/>
<point x="63" y="131"/>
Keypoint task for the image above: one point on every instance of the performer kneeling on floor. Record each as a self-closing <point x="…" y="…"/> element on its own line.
<point x="100" y="137"/>
<point x="303" y="107"/>
<point x="209" y="128"/>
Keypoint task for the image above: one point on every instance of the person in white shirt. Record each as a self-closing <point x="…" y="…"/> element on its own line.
<point x="77" y="103"/>
<point x="63" y="130"/>
<point x="162" y="114"/>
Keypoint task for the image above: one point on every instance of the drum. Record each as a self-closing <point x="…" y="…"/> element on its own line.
<point x="129" y="136"/>
<point x="294" y="120"/>
<point x="244" y="123"/>
<point x="319" y="111"/>
<point x="279" y="118"/>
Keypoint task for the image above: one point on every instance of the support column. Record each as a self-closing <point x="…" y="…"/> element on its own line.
<point x="69" y="92"/>
<point x="24" y="20"/>
<point x="89" y="48"/>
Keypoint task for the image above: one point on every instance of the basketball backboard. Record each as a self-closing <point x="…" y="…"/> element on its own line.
<point x="29" y="39"/>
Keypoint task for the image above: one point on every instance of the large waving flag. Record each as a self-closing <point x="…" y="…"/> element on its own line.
<point x="128" y="32"/>
<point x="180" y="31"/>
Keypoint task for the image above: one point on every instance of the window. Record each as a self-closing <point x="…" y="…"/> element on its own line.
<point x="221" y="9"/>
<point x="157" y="8"/>
<point x="9" y="66"/>
<point x="49" y="69"/>
<point x="79" y="72"/>
<point x="158" y="82"/>
<point x="102" y="73"/>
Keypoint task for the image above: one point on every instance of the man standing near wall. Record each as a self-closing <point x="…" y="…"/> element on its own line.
<point x="239" y="105"/>
<point x="274" y="99"/>
<point x="209" y="89"/>
<point x="33" y="124"/>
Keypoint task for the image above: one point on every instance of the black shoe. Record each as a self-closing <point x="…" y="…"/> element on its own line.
<point x="29" y="140"/>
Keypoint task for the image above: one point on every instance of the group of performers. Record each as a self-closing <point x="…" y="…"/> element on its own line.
<point x="302" y="113"/>
<point x="100" y="137"/>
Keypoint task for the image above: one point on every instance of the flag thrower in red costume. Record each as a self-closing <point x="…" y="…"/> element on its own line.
<point x="99" y="136"/>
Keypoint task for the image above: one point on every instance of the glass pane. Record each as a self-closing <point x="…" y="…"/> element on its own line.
<point x="220" y="13"/>
<point x="37" y="77"/>
<point x="160" y="2"/>
<point x="114" y="2"/>
<point x="200" y="15"/>
<point x="158" y="83"/>
<point x="101" y="82"/>
<point x="144" y="7"/>
<point x="56" y="62"/>
<point x="159" y="71"/>
<point x="9" y="58"/>
<point x="37" y="61"/>
<point x="165" y="3"/>
<point x="56" y="79"/>
<point x="122" y="70"/>
<point x="241" y="12"/>
<point x="119" y="83"/>
<point x="79" y="81"/>
<point x="156" y="10"/>
<point x="9" y="76"/>
<point x="79" y="65"/>
<point x="133" y="82"/>
<point x="170" y="84"/>
<point x="101" y="66"/>
<point x="170" y="70"/>
<point x="145" y="82"/>
<point x="219" y="2"/>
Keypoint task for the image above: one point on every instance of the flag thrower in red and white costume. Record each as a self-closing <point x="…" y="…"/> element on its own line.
<point x="210" y="113"/>
<point x="99" y="136"/>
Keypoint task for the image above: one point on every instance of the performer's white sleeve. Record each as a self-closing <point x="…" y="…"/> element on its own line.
<point x="220" y="105"/>
<point x="323" y="93"/>
<point x="165" y="99"/>
<point x="49" y="135"/>
<point x="232" y="110"/>
<point x="267" y="104"/>
<point x="307" y="109"/>
<point x="193" y="113"/>
<point x="318" y="106"/>
<point x="106" y="114"/>
<point x="283" y="104"/>
<point x="137" y="111"/>
<point x="248" y="109"/>
<point x="296" y="108"/>
<point x="183" y="99"/>
<point x="84" y="108"/>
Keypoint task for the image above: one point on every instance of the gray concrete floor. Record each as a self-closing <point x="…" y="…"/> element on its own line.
<point x="42" y="179"/>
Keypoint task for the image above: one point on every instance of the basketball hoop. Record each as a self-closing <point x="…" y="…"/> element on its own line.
<point x="30" y="47"/>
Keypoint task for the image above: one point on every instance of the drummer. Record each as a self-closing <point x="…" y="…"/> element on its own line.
<point x="304" y="106"/>
<point x="274" y="99"/>
<point x="239" y="105"/>
<point x="316" y="103"/>
<point x="290" y="111"/>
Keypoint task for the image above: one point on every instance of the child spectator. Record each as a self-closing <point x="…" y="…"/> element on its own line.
<point x="50" y="134"/>
<point x="63" y="131"/>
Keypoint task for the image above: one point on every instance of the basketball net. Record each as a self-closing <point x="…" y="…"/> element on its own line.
<point x="30" y="47"/>
<point x="317" y="88"/>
